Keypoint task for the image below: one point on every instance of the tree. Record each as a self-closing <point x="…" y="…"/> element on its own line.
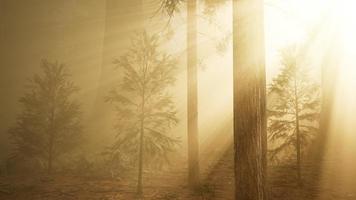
<point x="294" y="110"/>
<point x="250" y="136"/>
<point x="192" y="87"/>
<point x="49" y="125"/>
<point x="145" y="110"/>
<point x="170" y="7"/>
<point x="121" y="20"/>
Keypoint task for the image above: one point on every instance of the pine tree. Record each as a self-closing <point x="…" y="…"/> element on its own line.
<point x="49" y="125"/>
<point x="145" y="110"/>
<point x="294" y="108"/>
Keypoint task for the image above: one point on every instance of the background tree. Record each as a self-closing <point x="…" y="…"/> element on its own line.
<point x="329" y="76"/>
<point x="192" y="87"/>
<point x="49" y="125"/>
<point x="294" y="108"/>
<point x="171" y="7"/>
<point x="145" y="110"/>
<point x="250" y="137"/>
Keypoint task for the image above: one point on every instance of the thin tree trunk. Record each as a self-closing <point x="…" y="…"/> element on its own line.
<point x="249" y="100"/>
<point x="297" y="132"/>
<point x="50" y="155"/>
<point x="51" y="133"/>
<point x="193" y="140"/>
<point x="122" y="20"/>
<point x="140" y="156"/>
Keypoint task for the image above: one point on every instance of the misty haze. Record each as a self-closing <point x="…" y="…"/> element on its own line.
<point x="177" y="100"/>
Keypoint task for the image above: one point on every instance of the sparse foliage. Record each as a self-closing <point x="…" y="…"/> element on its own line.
<point x="49" y="125"/>
<point x="294" y="107"/>
<point x="145" y="110"/>
<point x="170" y="7"/>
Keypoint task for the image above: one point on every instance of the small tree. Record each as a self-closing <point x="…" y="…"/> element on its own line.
<point x="49" y="125"/>
<point x="294" y="108"/>
<point x="145" y="110"/>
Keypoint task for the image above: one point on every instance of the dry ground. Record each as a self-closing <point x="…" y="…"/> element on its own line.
<point x="218" y="183"/>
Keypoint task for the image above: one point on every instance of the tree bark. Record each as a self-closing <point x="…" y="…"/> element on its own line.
<point x="249" y="100"/>
<point x="193" y="140"/>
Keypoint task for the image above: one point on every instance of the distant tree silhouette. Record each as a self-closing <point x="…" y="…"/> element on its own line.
<point x="145" y="110"/>
<point x="294" y="108"/>
<point x="49" y="125"/>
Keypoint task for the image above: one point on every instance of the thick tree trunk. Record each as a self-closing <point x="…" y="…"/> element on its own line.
<point x="249" y="100"/>
<point x="193" y="140"/>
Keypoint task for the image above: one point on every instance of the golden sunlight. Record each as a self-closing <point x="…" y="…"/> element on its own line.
<point x="178" y="99"/>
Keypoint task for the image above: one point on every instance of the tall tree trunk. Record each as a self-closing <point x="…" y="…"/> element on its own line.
<point x="263" y="106"/>
<point x="329" y="76"/>
<point x="122" y="19"/>
<point x="249" y="100"/>
<point x="192" y="84"/>
<point x="143" y="101"/>
<point x="297" y="132"/>
<point x="140" y="155"/>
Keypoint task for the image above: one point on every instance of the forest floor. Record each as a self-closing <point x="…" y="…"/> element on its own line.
<point x="217" y="183"/>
